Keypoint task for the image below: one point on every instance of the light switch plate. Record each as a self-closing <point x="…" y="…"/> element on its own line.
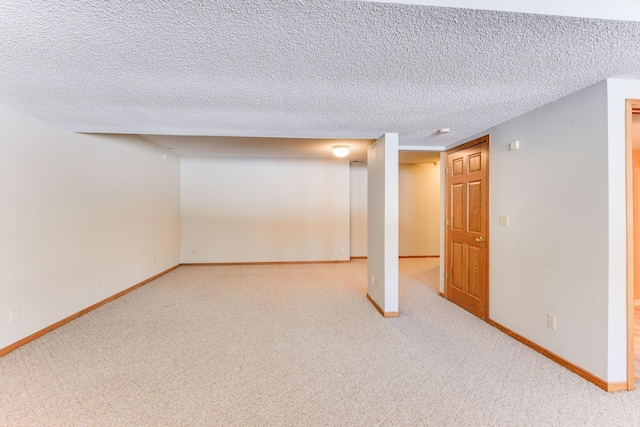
<point x="551" y="321"/>
<point x="504" y="220"/>
<point x="14" y="315"/>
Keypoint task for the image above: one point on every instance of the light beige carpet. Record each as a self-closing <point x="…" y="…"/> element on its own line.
<point x="295" y="345"/>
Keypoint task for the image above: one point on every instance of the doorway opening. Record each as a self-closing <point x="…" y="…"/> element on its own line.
<point x="419" y="204"/>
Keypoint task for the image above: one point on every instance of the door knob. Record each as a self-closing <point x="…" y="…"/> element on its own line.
<point x="480" y="239"/>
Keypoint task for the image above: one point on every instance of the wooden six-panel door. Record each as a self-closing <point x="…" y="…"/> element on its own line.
<point x="467" y="237"/>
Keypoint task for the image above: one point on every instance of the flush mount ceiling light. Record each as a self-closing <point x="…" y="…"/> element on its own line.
<point x="341" y="150"/>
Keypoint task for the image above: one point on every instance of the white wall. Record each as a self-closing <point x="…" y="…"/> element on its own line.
<point x="617" y="92"/>
<point x="555" y="256"/>
<point x="76" y="208"/>
<point x="264" y="210"/>
<point x="419" y="209"/>
<point x="382" y="222"/>
<point x="358" y="203"/>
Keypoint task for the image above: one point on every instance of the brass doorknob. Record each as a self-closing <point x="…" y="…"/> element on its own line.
<point x="480" y="239"/>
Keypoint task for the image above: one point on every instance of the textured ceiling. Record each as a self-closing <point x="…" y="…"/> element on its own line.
<point x="296" y="69"/>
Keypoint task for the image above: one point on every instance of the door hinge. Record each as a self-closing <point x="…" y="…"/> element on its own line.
<point x="446" y="275"/>
<point x="447" y="223"/>
<point x="446" y="170"/>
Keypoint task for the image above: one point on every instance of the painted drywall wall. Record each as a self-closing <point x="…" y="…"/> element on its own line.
<point x="419" y="209"/>
<point x="554" y="257"/>
<point x="617" y="93"/>
<point x="382" y="222"/>
<point x="264" y="210"/>
<point x="358" y="207"/>
<point x="76" y="208"/>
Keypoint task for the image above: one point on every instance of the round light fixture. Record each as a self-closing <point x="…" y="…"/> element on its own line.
<point x="341" y="150"/>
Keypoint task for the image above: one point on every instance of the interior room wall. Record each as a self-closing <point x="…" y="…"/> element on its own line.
<point x="358" y="206"/>
<point x="618" y="91"/>
<point x="419" y="210"/>
<point x="82" y="217"/>
<point x="553" y="258"/>
<point x="264" y="210"/>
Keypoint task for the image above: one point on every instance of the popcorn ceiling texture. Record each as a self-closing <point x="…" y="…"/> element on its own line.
<point x="306" y="69"/>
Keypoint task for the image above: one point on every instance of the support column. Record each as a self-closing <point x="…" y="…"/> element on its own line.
<point x="382" y="224"/>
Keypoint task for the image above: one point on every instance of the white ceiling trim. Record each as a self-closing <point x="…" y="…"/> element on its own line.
<point x="619" y="10"/>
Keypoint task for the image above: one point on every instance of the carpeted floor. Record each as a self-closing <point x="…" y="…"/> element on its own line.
<point x="296" y="345"/>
